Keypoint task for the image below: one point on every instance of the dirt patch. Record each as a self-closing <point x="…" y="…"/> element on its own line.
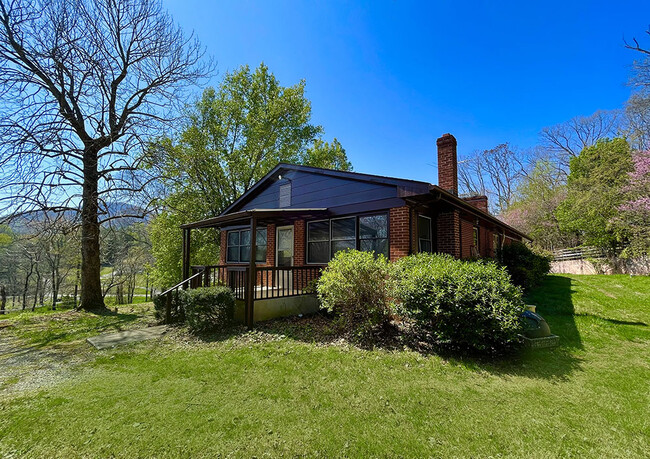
<point x="27" y="368"/>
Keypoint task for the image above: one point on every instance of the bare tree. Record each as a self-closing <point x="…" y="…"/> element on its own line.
<point x="566" y="140"/>
<point x="494" y="173"/>
<point x="637" y="108"/>
<point x="83" y="85"/>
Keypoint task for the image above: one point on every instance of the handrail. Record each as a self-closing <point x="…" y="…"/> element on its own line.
<point x="181" y="283"/>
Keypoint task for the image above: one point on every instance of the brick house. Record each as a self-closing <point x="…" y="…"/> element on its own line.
<point x="301" y="216"/>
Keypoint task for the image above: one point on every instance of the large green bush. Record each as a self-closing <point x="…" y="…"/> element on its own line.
<point x="208" y="308"/>
<point x="355" y="287"/>
<point x="526" y="267"/>
<point x="459" y="304"/>
<point x="177" y="311"/>
<point x="204" y="308"/>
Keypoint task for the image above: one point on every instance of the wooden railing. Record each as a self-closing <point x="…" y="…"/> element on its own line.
<point x="270" y="282"/>
<point x="578" y="253"/>
<point x="287" y="281"/>
<point x="234" y="277"/>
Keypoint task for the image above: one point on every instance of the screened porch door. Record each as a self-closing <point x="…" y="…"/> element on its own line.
<point x="284" y="256"/>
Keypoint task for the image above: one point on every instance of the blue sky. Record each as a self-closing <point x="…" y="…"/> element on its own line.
<point x="388" y="77"/>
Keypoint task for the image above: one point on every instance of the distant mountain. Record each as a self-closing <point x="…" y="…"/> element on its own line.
<point x="114" y="210"/>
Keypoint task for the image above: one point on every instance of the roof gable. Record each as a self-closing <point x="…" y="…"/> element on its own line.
<point x="317" y="187"/>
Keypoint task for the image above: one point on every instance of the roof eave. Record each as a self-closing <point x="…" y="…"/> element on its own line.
<point x="450" y="197"/>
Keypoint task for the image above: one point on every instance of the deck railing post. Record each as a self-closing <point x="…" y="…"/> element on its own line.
<point x="252" y="276"/>
<point x="186" y="254"/>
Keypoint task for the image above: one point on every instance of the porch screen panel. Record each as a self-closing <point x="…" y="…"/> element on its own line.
<point x="245" y="246"/>
<point x="344" y="234"/>
<point x="373" y="234"/>
<point x="233" y="246"/>
<point x="318" y="242"/>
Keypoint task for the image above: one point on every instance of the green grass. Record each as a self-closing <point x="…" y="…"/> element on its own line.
<point x="281" y="394"/>
<point x="48" y="328"/>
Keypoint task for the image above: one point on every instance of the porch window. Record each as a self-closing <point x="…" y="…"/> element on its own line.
<point x="424" y="234"/>
<point x="344" y="234"/>
<point x="239" y="246"/>
<point x="326" y="237"/>
<point x="318" y="242"/>
<point x="373" y="234"/>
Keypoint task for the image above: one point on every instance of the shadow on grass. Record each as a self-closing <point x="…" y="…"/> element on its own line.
<point x="77" y="325"/>
<point x="553" y="300"/>
<point x="554" y="303"/>
<point x="612" y="321"/>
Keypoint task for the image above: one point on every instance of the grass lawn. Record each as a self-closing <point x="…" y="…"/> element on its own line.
<point x="282" y="390"/>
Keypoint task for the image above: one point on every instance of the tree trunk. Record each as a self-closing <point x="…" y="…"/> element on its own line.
<point x="119" y="294"/>
<point x="26" y="287"/>
<point x="55" y="290"/>
<point x="3" y="299"/>
<point x="76" y="287"/>
<point x="91" y="287"/>
<point x="38" y="288"/>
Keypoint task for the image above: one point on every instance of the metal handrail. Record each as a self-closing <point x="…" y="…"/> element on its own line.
<point x="181" y="283"/>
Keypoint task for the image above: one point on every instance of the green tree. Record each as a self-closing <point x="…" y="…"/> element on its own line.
<point x="537" y="199"/>
<point x="594" y="193"/>
<point x="327" y="155"/>
<point x="233" y="135"/>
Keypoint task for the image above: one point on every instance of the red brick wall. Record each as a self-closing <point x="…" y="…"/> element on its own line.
<point x="447" y="163"/>
<point x="270" y="245"/>
<point x="448" y="233"/>
<point x="399" y="232"/>
<point x="480" y="202"/>
<point x="222" y="249"/>
<point x="414" y="232"/>
<point x="467" y="238"/>
<point x="486" y="242"/>
<point x="299" y="235"/>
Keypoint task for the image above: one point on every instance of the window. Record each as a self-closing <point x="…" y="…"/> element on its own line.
<point x="476" y="238"/>
<point x="285" y="195"/>
<point x="326" y="237"/>
<point x="239" y="246"/>
<point x="344" y="234"/>
<point x="318" y="242"/>
<point x="373" y="234"/>
<point x="424" y="234"/>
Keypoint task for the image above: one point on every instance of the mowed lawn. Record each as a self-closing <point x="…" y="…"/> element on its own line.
<point x="275" y="393"/>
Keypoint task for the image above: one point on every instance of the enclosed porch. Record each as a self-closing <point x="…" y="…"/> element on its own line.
<point x="266" y="272"/>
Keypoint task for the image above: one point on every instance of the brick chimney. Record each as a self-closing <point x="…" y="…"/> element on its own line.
<point x="447" y="164"/>
<point x="478" y="201"/>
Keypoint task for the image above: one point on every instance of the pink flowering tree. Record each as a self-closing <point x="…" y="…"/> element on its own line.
<point x="635" y="211"/>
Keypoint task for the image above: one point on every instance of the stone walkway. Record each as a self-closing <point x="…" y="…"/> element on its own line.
<point x="125" y="337"/>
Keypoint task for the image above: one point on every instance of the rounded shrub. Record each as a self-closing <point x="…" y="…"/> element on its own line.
<point x="355" y="286"/>
<point x="208" y="308"/>
<point x="526" y="267"/>
<point x="177" y="311"/>
<point x="458" y="304"/>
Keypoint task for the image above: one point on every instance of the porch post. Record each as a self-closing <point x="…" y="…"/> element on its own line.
<point x="252" y="276"/>
<point x="186" y="254"/>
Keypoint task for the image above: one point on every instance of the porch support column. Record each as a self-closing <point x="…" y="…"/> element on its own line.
<point x="252" y="276"/>
<point x="186" y="254"/>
